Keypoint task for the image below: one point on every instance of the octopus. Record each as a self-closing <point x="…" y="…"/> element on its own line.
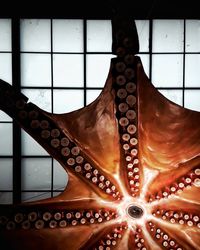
<point x="133" y="161"/>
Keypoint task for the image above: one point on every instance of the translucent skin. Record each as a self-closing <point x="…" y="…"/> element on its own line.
<point x="131" y="146"/>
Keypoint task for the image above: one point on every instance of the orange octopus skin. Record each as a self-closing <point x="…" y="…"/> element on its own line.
<point x="133" y="162"/>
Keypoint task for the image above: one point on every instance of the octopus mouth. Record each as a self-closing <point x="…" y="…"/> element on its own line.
<point x="134" y="211"/>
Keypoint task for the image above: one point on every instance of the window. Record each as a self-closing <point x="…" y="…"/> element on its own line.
<point x="6" y="151"/>
<point x="60" y="64"/>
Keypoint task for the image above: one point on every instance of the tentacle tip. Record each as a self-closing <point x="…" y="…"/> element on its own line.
<point x="124" y="35"/>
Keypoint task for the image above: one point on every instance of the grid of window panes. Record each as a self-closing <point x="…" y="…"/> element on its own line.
<point x="176" y="60"/>
<point x="6" y="151"/>
<point x="64" y="66"/>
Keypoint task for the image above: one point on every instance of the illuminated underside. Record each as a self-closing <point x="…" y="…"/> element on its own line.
<point x="133" y="162"/>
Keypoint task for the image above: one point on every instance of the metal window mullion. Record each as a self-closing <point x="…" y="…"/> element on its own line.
<point x="16" y="71"/>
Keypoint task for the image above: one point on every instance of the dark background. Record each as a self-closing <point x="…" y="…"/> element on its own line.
<point x="101" y="9"/>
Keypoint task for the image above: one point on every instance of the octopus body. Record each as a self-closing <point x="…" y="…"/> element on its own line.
<point x="133" y="162"/>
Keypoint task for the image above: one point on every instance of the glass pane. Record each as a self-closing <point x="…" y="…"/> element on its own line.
<point x="5" y="35"/>
<point x="4" y="117"/>
<point x="6" y="174"/>
<point x="36" y="70"/>
<point x="68" y="70"/>
<point x="36" y="174"/>
<point x="35" y="196"/>
<point x="145" y="63"/>
<point x="68" y="35"/>
<point x="175" y="96"/>
<point x="167" y="70"/>
<point x="40" y="97"/>
<point x="56" y="193"/>
<point x="97" y="69"/>
<point x="168" y="36"/>
<point x="192" y="36"/>
<point x="192" y="66"/>
<point x="192" y="99"/>
<point x="6" y="197"/>
<point x="30" y="146"/>
<point x="67" y="100"/>
<point x="6" y="139"/>
<point x="92" y="95"/>
<point x="6" y="67"/>
<point x="143" y="34"/>
<point x="35" y="35"/>
<point x="99" y="36"/>
<point x="60" y="176"/>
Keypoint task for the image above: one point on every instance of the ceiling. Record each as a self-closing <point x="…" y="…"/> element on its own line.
<point x="102" y="9"/>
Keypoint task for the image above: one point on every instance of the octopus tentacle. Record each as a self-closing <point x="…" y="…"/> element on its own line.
<point x="47" y="132"/>
<point x="52" y="216"/>
<point x="107" y="238"/>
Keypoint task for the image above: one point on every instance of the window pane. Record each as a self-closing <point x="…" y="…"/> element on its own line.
<point x="5" y="35"/>
<point x="97" y="69"/>
<point x="4" y="117"/>
<point x="67" y="100"/>
<point x="35" y="35"/>
<point x="36" y="174"/>
<point x="6" y="67"/>
<point x="35" y="196"/>
<point x="36" y="70"/>
<point x="60" y="176"/>
<point x="6" y="174"/>
<point x="6" y="139"/>
<point x="167" y="36"/>
<point x="192" y="99"/>
<point x="6" y="197"/>
<point x="92" y="95"/>
<point x="68" y="35"/>
<point x="145" y="63"/>
<point x="143" y="34"/>
<point x="192" y="36"/>
<point x="175" y="96"/>
<point x="192" y="66"/>
<point x="167" y="70"/>
<point x="40" y="97"/>
<point x="99" y="36"/>
<point x="56" y="193"/>
<point x="30" y="146"/>
<point x="68" y="70"/>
